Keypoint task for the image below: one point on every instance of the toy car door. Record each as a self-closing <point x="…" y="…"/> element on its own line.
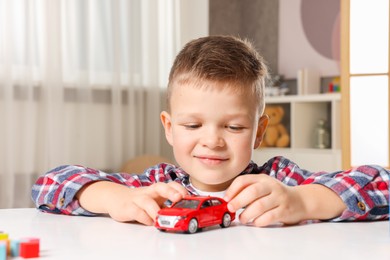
<point x="206" y="216"/>
<point x="217" y="210"/>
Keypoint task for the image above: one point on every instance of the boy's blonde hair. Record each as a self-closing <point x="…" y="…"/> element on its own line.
<point x="223" y="59"/>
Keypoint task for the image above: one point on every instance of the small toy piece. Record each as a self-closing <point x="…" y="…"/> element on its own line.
<point x="15" y="248"/>
<point x="3" y="236"/>
<point x="25" y="247"/>
<point x="3" y="250"/>
<point x="29" y="248"/>
<point x="334" y="85"/>
<point x="193" y="213"/>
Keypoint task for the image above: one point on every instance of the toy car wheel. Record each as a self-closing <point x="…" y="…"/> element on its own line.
<point x="192" y="226"/>
<point x="226" y="220"/>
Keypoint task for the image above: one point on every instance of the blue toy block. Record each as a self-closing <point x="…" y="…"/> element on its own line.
<point x="3" y="250"/>
<point x="15" y="247"/>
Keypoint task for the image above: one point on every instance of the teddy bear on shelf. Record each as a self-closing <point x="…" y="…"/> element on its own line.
<point x="276" y="134"/>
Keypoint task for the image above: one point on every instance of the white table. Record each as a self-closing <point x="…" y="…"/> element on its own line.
<point x="70" y="237"/>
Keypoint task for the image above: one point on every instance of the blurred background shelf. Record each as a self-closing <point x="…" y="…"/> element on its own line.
<point x="302" y="114"/>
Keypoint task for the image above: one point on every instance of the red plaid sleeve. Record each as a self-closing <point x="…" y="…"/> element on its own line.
<point x="55" y="191"/>
<point x="364" y="189"/>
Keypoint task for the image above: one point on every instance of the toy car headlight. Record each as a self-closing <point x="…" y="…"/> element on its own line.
<point x="177" y="219"/>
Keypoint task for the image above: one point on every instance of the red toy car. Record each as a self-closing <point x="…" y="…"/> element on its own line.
<point x="193" y="213"/>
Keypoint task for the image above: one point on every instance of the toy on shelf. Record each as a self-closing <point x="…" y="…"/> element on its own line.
<point x="334" y="85"/>
<point x="322" y="136"/>
<point x="193" y="213"/>
<point x="276" y="134"/>
<point x="24" y="247"/>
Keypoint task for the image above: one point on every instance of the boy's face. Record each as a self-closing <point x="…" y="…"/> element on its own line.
<point x="213" y="132"/>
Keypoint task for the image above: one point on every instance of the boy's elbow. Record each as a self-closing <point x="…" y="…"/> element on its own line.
<point x="46" y="184"/>
<point x="55" y="190"/>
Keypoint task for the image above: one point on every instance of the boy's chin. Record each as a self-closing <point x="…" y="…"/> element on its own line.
<point x="212" y="185"/>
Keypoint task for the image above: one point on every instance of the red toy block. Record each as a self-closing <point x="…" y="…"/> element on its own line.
<point x="29" y="248"/>
<point x="29" y="239"/>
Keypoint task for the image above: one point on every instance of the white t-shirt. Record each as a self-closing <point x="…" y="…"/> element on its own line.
<point x="219" y="194"/>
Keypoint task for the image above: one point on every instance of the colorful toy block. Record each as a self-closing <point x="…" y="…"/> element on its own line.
<point x="27" y="247"/>
<point x="15" y="247"/>
<point x="5" y="240"/>
<point x="3" y="250"/>
<point x="3" y="236"/>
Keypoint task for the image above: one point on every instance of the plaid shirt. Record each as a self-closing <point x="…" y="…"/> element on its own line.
<point x="364" y="189"/>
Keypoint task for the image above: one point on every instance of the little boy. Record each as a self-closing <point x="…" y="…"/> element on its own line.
<point x="213" y="122"/>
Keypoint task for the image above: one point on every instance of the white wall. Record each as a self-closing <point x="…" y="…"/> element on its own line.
<point x="194" y="20"/>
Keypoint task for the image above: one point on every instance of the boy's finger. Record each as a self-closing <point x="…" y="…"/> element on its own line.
<point x="240" y="183"/>
<point x="247" y="196"/>
<point x="148" y="208"/>
<point x="257" y="208"/>
<point x="271" y="217"/>
<point x="143" y="218"/>
<point x="133" y="213"/>
<point x="171" y="192"/>
<point x="179" y="188"/>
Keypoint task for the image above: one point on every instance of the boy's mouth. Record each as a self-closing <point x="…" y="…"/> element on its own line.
<point x="211" y="160"/>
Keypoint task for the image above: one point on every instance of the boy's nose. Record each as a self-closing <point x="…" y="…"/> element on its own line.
<point x="212" y="139"/>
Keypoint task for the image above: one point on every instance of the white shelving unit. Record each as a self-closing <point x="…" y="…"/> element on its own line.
<point x="303" y="113"/>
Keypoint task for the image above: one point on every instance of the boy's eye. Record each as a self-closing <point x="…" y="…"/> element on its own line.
<point x="235" y="128"/>
<point x="192" y="126"/>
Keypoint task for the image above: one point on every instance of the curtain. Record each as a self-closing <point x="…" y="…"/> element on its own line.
<point x="81" y="82"/>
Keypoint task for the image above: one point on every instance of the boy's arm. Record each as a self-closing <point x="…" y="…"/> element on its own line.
<point x="286" y="193"/>
<point x="129" y="204"/>
<point x="364" y="190"/>
<point x="319" y="202"/>
<point x="268" y="201"/>
<point x="56" y="190"/>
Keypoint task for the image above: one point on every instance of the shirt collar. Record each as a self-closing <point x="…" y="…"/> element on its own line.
<point x="184" y="178"/>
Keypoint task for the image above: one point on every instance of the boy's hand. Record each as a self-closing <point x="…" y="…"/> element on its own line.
<point x="268" y="201"/>
<point x="129" y="204"/>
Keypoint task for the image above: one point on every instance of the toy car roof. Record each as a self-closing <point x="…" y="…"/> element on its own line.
<point x="198" y="197"/>
<point x="168" y="203"/>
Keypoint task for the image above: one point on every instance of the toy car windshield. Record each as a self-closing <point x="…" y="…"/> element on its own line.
<point x="186" y="204"/>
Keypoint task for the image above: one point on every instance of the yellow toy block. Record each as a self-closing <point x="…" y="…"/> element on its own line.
<point x="3" y="236"/>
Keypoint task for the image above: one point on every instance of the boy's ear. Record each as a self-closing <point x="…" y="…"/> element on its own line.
<point x="261" y="127"/>
<point x="167" y="124"/>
